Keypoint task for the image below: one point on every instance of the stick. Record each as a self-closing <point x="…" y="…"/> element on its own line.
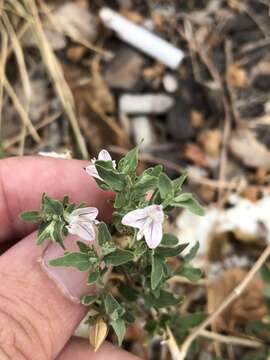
<point x="228" y="300"/>
<point x="232" y="340"/>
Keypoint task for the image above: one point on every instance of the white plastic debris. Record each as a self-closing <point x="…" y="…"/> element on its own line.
<point x="170" y="83"/>
<point x="142" y="130"/>
<point x="145" y="103"/>
<point x="142" y="39"/>
<point x="248" y="221"/>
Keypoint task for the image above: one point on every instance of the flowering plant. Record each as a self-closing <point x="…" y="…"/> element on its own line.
<point x="135" y="246"/>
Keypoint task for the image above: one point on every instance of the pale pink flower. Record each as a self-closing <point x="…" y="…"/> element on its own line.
<point x="149" y="222"/>
<point x="82" y="223"/>
<point x="104" y="156"/>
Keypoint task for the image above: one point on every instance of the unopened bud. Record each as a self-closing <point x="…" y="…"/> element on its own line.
<point x="98" y="333"/>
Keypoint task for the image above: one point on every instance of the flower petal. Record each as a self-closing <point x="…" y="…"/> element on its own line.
<point x="87" y="214"/>
<point x="156" y="212"/>
<point x="104" y="155"/>
<point x="135" y="218"/>
<point x="153" y="234"/>
<point x="92" y="171"/>
<point x="85" y="230"/>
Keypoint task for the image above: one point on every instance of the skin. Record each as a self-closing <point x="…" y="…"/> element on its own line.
<point x="36" y="319"/>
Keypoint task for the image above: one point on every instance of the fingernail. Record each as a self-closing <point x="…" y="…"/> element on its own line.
<point x="71" y="282"/>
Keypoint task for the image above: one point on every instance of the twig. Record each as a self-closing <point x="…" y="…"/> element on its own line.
<point x="172" y="345"/>
<point x="55" y="71"/>
<point x="15" y="139"/>
<point x="232" y="340"/>
<point x="21" y="110"/>
<point x="228" y="300"/>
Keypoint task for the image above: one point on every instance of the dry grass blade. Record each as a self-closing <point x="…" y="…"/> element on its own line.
<point x="55" y="71"/>
<point x="3" y="59"/>
<point x="45" y="8"/>
<point x="19" y="57"/>
<point x="20" y="109"/>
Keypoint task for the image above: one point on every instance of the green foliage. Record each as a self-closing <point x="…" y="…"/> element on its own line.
<point x="140" y="287"/>
<point x="157" y="271"/>
<point x="118" y="257"/>
<point x="78" y="260"/>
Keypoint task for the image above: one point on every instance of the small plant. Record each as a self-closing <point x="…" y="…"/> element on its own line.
<point x="134" y="246"/>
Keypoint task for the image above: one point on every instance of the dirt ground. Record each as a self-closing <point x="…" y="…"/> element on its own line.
<point x="71" y="86"/>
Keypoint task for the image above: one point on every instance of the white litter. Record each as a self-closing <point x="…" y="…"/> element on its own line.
<point x="142" y="39"/>
<point x="145" y="103"/>
<point x="142" y="132"/>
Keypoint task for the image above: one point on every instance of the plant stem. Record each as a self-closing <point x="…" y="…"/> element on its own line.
<point x="228" y="300"/>
<point x="232" y="340"/>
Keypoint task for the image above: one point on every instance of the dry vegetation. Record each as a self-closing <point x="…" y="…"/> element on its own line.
<point x="62" y="74"/>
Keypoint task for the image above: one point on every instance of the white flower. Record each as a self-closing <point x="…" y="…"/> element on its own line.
<point x="82" y="223"/>
<point x="104" y="156"/>
<point x="149" y="222"/>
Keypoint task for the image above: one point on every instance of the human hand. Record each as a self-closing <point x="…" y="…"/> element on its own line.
<point x="37" y="319"/>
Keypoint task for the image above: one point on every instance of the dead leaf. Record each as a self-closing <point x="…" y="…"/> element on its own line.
<point x="249" y="306"/>
<point x="237" y="76"/>
<point x="211" y="141"/>
<point x="247" y="148"/>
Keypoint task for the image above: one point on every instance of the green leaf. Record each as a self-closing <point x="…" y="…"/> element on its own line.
<point x="145" y="182"/>
<point x="165" y="299"/>
<point x="52" y="206"/>
<point x="129" y="163"/>
<point x="157" y="271"/>
<point x="169" y="240"/>
<point x="165" y="186"/>
<point x="56" y="232"/>
<point x="115" y="180"/>
<point x="84" y="248"/>
<point x="31" y="216"/>
<point x="178" y="183"/>
<point x="191" y="273"/>
<point x="265" y="273"/>
<point x="74" y="259"/>
<point x="113" y="309"/>
<point x="128" y="292"/>
<point x="187" y="201"/>
<point x="120" y="200"/>
<point x="119" y="329"/>
<point x="44" y="232"/>
<point x="89" y="299"/>
<point x="104" y="235"/>
<point x="170" y="251"/>
<point x="93" y="277"/>
<point x="192" y="253"/>
<point x="118" y="257"/>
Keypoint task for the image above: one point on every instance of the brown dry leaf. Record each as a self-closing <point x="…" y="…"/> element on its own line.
<point x="132" y="16"/>
<point x="195" y="154"/>
<point x="157" y="70"/>
<point x="211" y="141"/>
<point x="101" y="96"/>
<point x="197" y="119"/>
<point x="236" y="5"/>
<point x="237" y="76"/>
<point x="75" y="53"/>
<point x="249" y="306"/>
<point x="247" y="148"/>
<point x="98" y="333"/>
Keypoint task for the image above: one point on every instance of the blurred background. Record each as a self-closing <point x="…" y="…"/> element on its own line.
<point x="71" y="86"/>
